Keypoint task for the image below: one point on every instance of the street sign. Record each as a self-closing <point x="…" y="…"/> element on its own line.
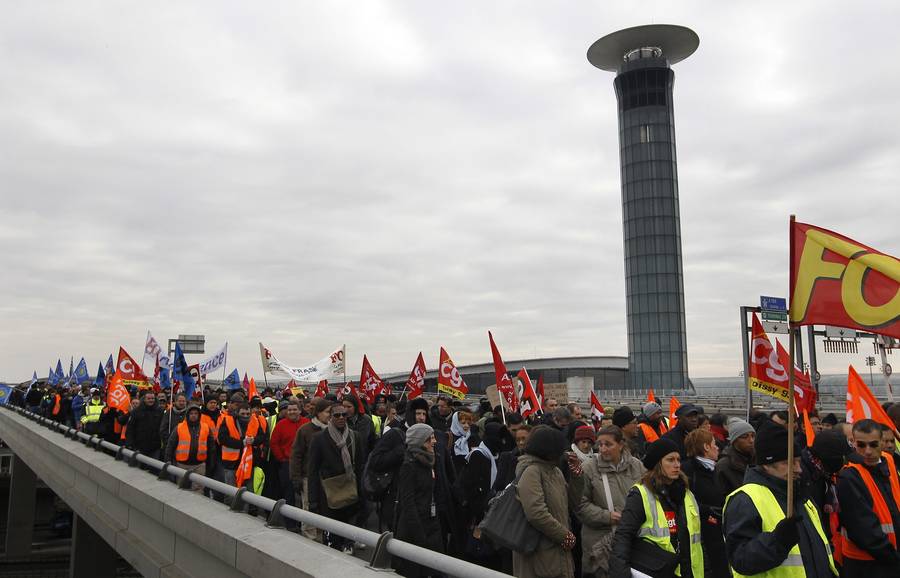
<point x="773" y="303"/>
<point x="839" y="332"/>
<point x="776" y="327"/>
<point x="774" y="316"/>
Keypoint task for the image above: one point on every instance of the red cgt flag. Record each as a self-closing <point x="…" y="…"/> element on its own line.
<point x="529" y="403"/>
<point x="370" y="385"/>
<point x="805" y="395"/>
<point x="597" y="411"/>
<point x="130" y="371"/>
<point x="504" y="384"/>
<point x="322" y="389"/>
<point x="449" y="380"/>
<point x="838" y="281"/>
<point x="415" y="385"/>
<point x="540" y="389"/>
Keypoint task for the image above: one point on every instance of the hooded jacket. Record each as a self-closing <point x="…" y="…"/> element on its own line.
<point x="143" y="429"/>
<point x="546" y="499"/>
<point x="752" y="551"/>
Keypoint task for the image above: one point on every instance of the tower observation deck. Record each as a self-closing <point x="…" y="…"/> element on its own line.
<point x="642" y="57"/>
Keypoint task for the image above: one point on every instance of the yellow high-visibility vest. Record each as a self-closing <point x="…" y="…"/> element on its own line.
<point x="92" y="412"/>
<point x="770" y="513"/>
<point x="655" y="528"/>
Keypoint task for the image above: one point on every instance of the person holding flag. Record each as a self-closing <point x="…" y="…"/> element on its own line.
<point x="651" y="425"/>
<point x="239" y="431"/>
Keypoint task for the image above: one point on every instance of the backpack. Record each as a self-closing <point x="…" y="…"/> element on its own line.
<point x="377" y="484"/>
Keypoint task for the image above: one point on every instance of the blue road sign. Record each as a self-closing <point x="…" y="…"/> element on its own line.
<point x="772" y="303"/>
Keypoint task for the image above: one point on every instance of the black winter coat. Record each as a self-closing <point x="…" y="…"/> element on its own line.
<point x="677" y="435"/>
<point x="863" y="528"/>
<point x="325" y="462"/>
<point x="417" y="521"/>
<point x="365" y="430"/>
<point x="730" y="470"/>
<point x="387" y="456"/>
<point x="710" y="498"/>
<point x="752" y="551"/>
<point x="633" y="517"/>
<point x="473" y="488"/>
<point x="143" y="429"/>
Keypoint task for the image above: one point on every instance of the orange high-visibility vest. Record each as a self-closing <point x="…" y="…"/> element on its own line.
<point x="213" y="426"/>
<point x="232" y="454"/>
<point x="880" y="507"/>
<point x="650" y="434"/>
<point x="56" y="399"/>
<point x="183" y="449"/>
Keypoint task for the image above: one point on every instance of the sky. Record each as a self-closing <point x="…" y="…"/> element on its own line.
<point x="401" y="176"/>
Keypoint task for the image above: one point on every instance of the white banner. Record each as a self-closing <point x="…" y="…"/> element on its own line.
<point x="151" y="349"/>
<point x="330" y="368"/>
<point x="215" y="362"/>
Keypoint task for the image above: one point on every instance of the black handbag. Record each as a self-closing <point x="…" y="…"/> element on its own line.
<point x="652" y="560"/>
<point x="505" y="524"/>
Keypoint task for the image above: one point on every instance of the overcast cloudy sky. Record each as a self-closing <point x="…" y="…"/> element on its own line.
<point x="399" y="176"/>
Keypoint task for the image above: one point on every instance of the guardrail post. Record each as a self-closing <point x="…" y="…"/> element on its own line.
<point x="237" y="502"/>
<point x="162" y="471"/>
<point x="133" y="461"/>
<point x="184" y="482"/>
<point x="275" y="519"/>
<point x="381" y="559"/>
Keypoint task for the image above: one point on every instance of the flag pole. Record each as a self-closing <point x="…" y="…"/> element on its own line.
<point x="790" y="370"/>
<point x="502" y="409"/>
<point x="225" y="365"/>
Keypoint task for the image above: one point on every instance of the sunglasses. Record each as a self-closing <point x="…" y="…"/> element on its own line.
<point x="338" y="414"/>
<point x="864" y="445"/>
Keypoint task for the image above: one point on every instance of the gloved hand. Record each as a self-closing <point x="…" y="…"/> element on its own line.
<point x="787" y="531"/>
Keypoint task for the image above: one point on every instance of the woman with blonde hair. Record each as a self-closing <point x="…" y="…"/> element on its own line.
<point x="659" y="531"/>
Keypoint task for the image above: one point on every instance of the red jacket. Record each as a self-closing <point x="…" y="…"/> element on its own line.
<point x="283" y="438"/>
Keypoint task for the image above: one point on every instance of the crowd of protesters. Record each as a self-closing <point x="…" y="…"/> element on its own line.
<point x="633" y="494"/>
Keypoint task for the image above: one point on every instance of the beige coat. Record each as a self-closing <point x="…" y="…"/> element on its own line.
<point x="546" y="497"/>
<point x="594" y="510"/>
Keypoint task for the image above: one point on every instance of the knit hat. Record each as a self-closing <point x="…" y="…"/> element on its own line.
<point x="418" y="434"/>
<point x="830" y="419"/>
<point x="622" y="416"/>
<point x="772" y="444"/>
<point x="650" y="408"/>
<point x="831" y="447"/>
<point x="584" y="432"/>
<point x="737" y="428"/>
<point x="657" y="451"/>
<point x="546" y="443"/>
<point x="193" y="407"/>
<point x="320" y="404"/>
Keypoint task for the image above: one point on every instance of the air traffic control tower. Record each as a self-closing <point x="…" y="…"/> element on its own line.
<point x="654" y="283"/>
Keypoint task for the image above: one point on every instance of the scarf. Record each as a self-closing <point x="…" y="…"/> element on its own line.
<point x="420" y="455"/>
<point x="461" y="445"/>
<point x="707" y="463"/>
<point x="344" y="442"/>
<point x="318" y="424"/>
<point x="484" y="450"/>
<point x="584" y="457"/>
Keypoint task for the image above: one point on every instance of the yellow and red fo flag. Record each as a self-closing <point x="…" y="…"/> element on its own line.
<point x="861" y="404"/>
<point x="838" y="281"/>
<point x="449" y="380"/>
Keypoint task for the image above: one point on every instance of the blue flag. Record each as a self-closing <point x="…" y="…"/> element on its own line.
<point x="110" y="368"/>
<point x="81" y="372"/>
<point x="233" y="381"/>
<point x="33" y="380"/>
<point x="60" y="374"/>
<point x="5" y="392"/>
<point x="52" y="378"/>
<point x="100" y="380"/>
<point x="165" y="378"/>
<point x="183" y="374"/>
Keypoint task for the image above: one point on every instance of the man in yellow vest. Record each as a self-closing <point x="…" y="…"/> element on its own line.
<point x="869" y="493"/>
<point x="760" y="539"/>
<point x="191" y="445"/>
<point x="93" y="409"/>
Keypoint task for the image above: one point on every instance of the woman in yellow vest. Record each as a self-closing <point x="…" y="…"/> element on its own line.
<point x="760" y="539"/>
<point x="659" y="530"/>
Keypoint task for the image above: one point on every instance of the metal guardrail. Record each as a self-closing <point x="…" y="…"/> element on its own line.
<point x="384" y="545"/>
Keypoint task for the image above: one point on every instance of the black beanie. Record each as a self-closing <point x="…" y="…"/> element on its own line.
<point x="622" y="416"/>
<point x="771" y="444"/>
<point x="657" y="451"/>
<point x="831" y="447"/>
<point x="546" y="443"/>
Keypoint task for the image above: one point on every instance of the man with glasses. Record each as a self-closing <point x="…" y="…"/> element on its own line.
<point x="869" y="493"/>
